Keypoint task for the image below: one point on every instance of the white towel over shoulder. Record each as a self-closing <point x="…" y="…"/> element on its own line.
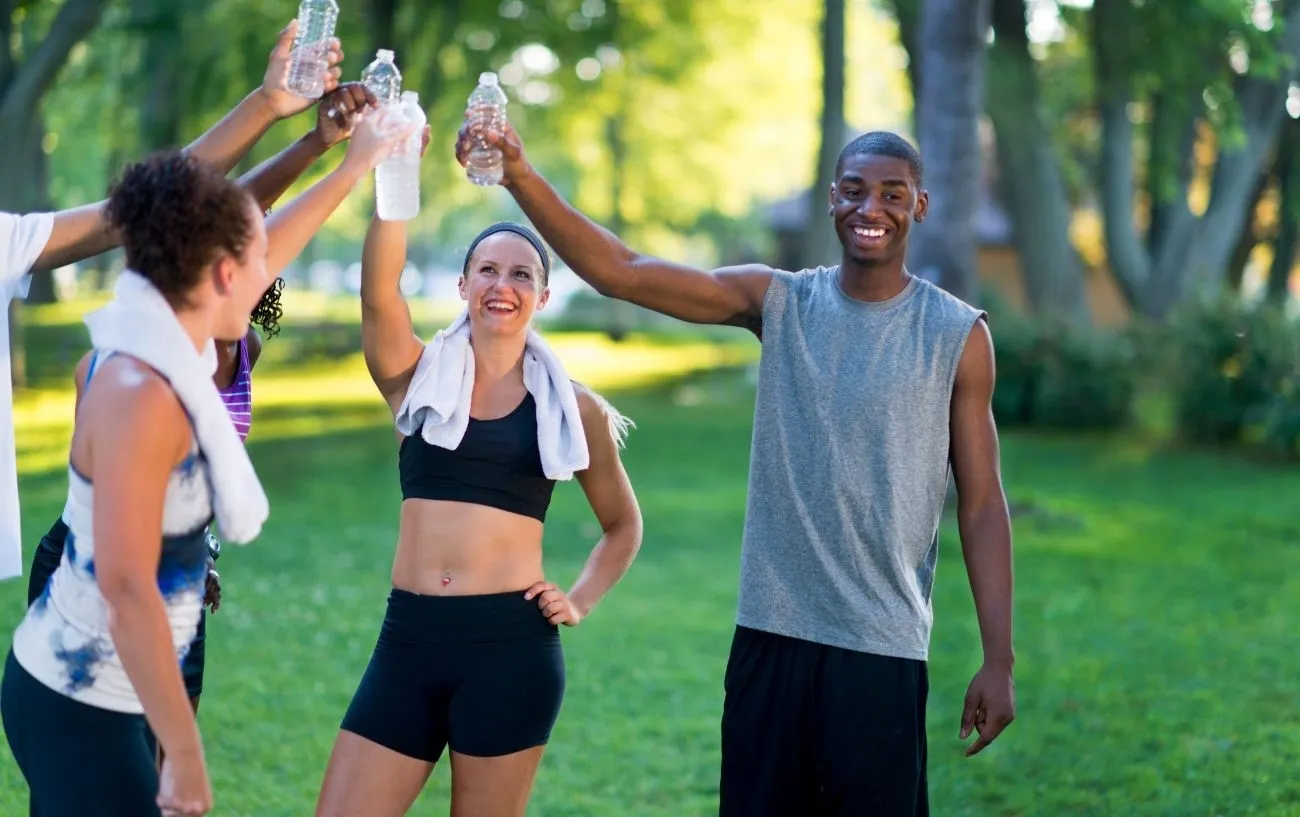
<point x="437" y="401"/>
<point x="139" y="322"/>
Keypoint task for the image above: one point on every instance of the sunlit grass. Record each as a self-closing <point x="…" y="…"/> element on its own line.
<point x="1156" y="672"/>
<point x="304" y="400"/>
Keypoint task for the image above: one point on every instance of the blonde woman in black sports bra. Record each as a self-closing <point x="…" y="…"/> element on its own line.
<point x="469" y="654"/>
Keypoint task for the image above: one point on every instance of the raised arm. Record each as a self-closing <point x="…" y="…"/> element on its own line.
<point x="985" y="529"/>
<point x="289" y="229"/>
<point x="336" y="115"/>
<point x="392" y="349"/>
<point x="131" y="462"/>
<point x="83" y="232"/>
<point x="730" y="295"/>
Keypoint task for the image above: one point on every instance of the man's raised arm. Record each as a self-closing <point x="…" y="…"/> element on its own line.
<point x="731" y="295"/>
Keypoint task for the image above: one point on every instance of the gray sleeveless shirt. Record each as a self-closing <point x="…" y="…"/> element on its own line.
<point x="849" y="465"/>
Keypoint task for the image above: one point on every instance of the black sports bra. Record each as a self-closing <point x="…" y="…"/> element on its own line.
<point x="497" y="464"/>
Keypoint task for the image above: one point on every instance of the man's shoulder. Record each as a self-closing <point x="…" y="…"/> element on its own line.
<point x="943" y="303"/>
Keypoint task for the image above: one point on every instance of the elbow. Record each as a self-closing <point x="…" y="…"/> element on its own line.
<point x="627" y="534"/>
<point x="616" y="278"/>
<point x="125" y="594"/>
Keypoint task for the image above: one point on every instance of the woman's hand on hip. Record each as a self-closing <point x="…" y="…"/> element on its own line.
<point x="554" y="603"/>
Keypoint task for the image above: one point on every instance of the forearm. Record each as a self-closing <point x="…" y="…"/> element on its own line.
<point x="608" y="563"/>
<point x="83" y="232"/>
<point x="986" y="547"/>
<point x="595" y="254"/>
<point x="228" y="141"/>
<point x="289" y="229"/>
<point x="143" y="639"/>
<point x="78" y="234"/>
<point x="268" y="181"/>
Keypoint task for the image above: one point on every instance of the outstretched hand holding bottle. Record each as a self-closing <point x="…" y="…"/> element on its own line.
<point x="374" y="138"/>
<point x="487" y="146"/>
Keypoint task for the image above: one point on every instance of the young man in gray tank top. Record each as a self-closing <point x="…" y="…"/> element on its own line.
<point x="874" y="386"/>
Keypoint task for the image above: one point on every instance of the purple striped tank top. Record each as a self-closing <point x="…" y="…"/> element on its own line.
<point x="238" y="396"/>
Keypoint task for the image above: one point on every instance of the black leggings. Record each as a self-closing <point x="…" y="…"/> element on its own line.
<point x="483" y="674"/>
<point x="77" y="759"/>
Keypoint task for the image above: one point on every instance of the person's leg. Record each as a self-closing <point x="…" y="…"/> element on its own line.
<point x="77" y="759"/>
<point x="501" y="715"/>
<point x="766" y="739"/>
<point x="493" y="786"/>
<point x="365" y="779"/>
<point x="872" y="748"/>
<point x="393" y="733"/>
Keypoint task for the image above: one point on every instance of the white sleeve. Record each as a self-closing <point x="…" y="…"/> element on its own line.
<point x="22" y="239"/>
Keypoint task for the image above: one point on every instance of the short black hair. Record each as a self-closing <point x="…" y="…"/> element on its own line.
<point x="176" y="214"/>
<point x="882" y="143"/>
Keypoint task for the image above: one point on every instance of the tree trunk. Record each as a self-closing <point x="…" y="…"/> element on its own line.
<point x="1198" y="251"/>
<point x="22" y="86"/>
<point x="907" y="13"/>
<point x="1039" y="206"/>
<point x="1288" y="234"/>
<point x="159" y="23"/>
<point x="952" y="54"/>
<point x="1249" y="238"/>
<point x="821" y="245"/>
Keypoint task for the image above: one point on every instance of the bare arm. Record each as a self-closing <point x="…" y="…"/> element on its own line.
<point x="392" y="349"/>
<point x="985" y="529"/>
<point x="130" y="465"/>
<point x="608" y="489"/>
<point x="83" y="232"/>
<point x="267" y="182"/>
<point x="288" y="230"/>
<point x="336" y="116"/>
<point x="731" y="295"/>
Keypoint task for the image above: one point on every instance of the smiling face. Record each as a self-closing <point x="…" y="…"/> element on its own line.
<point x="504" y="284"/>
<point x="874" y="203"/>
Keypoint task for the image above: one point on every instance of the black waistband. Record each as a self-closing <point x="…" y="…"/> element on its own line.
<point x="458" y="619"/>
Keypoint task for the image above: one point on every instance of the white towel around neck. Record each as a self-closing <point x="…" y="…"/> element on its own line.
<point x="437" y="400"/>
<point x="139" y="322"/>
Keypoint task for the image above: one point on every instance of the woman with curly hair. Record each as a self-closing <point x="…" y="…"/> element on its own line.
<point x="337" y="115"/>
<point x="154" y="460"/>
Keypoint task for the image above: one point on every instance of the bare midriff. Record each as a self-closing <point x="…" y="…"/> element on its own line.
<point x="458" y="549"/>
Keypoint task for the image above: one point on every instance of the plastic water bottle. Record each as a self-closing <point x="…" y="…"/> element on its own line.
<point x="487" y="109"/>
<point x="397" y="179"/>
<point x="309" y="63"/>
<point x="382" y="78"/>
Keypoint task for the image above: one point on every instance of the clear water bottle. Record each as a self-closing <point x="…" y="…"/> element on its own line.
<point x="382" y="78"/>
<point x="309" y="61"/>
<point x="397" y="179"/>
<point x="487" y="109"/>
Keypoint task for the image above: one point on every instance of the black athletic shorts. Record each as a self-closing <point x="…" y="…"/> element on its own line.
<point x="46" y="560"/>
<point x="820" y="731"/>
<point x="77" y="759"/>
<point x="481" y="674"/>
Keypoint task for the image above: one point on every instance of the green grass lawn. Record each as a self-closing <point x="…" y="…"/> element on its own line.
<point x="1156" y="610"/>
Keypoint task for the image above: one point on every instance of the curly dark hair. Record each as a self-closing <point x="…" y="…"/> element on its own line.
<point x="176" y="214"/>
<point x="268" y="311"/>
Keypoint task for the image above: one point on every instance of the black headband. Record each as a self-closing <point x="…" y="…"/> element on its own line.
<point x="517" y="229"/>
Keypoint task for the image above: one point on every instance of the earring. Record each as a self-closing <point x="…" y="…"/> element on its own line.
<point x="830" y="211"/>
